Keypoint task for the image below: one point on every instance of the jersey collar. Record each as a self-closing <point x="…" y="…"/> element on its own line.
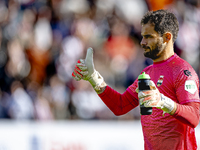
<point x="163" y="62"/>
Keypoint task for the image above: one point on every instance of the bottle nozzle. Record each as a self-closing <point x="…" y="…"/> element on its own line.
<point x="144" y="76"/>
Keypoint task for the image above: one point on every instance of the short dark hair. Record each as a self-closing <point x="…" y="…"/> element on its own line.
<point x="163" y="20"/>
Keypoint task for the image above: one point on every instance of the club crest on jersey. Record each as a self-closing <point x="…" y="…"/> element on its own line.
<point x="160" y="80"/>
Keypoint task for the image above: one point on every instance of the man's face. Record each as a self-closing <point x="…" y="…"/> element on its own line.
<point x="152" y="42"/>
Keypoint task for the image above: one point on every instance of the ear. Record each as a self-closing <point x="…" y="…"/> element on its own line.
<point x="167" y="37"/>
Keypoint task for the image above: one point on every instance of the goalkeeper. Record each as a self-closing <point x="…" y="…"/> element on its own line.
<point x="174" y="93"/>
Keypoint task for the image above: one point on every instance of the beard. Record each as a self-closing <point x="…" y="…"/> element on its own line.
<point x="154" y="52"/>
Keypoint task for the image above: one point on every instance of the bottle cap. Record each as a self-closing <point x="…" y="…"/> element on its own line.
<point x="144" y="76"/>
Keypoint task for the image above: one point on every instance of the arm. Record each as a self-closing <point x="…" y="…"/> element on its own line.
<point x="118" y="103"/>
<point x="188" y="113"/>
<point x="188" y="102"/>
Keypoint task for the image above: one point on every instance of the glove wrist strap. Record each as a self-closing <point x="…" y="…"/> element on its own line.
<point x="168" y="104"/>
<point x="97" y="82"/>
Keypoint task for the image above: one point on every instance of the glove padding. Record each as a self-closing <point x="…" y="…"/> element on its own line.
<point x="153" y="98"/>
<point x="80" y="71"/>
<point x="85" y="70"/>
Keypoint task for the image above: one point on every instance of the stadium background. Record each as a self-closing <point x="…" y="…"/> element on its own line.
<point x="40" y="42"/>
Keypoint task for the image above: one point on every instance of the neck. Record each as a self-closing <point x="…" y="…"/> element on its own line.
<point x="167" y="53"/>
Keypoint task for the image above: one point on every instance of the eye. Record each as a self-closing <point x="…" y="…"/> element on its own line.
<point x="147" y="36"/>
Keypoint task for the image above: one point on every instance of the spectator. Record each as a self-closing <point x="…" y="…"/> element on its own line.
<point x="22" y="105"/>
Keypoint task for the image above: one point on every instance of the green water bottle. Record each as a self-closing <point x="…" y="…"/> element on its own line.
<point x="143" y="84"/>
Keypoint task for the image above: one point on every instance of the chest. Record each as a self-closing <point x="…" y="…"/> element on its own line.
<point x="163" y="79"/>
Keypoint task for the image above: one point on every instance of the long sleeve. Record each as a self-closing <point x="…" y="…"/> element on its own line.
<point x="188" y="113"/>
<point x="118" y="103"/>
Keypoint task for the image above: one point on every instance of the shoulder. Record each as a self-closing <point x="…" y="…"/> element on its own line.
<point x="182" y="67"/>
<point x="183" y="71"/>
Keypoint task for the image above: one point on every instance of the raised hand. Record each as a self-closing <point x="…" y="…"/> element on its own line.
<point x="85" y="70"/>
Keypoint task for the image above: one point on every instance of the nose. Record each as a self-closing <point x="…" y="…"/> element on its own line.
<point x="143" y="42"/>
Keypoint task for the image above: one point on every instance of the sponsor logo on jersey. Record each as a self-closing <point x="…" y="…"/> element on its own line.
<point x="187" y="73"/>
<point x="190" y="86"/>
<point x="160" y="80"/>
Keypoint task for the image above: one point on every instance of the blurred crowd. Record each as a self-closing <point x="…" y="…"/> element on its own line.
<point x="41" y="41"/>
